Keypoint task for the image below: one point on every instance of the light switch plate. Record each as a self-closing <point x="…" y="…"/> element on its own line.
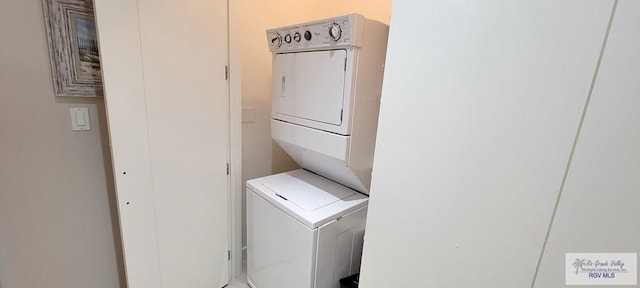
<point x="248" y="114"/>
<point x="80" y="119"/>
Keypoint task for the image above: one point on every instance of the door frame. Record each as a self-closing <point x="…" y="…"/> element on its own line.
<point x="235" y="138"/>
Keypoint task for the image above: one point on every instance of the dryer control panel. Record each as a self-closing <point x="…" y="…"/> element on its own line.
<point x="324" y="34"/>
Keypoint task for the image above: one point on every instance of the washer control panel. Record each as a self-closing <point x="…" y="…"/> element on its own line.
<point x="322" y="34"/>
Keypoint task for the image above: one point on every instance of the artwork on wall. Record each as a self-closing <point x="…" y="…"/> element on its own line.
<point x="73" y="47"/>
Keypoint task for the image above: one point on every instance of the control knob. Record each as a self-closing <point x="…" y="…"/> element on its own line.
<point x="276" y="40"/>
<point x="287" y="38"/>
<point x="335" y="32"/>
<point x="297" y="37"/>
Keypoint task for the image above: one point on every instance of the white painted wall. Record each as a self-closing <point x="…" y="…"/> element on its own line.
<point x="598" y="209"/>
<point x="481" y="105"/>
<point x="58" y="225"/>
<point x="261" y="156"/>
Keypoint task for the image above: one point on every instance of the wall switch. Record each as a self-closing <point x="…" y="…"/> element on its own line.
<point x="80" y="119"/>
<point x="248" y="114"/>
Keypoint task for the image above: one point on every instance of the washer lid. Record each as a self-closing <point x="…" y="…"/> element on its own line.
<point x="310" y="198"/>
<point x="307" y="190"/>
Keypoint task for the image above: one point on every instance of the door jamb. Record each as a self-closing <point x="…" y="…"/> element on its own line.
<point x="235" y="138"/>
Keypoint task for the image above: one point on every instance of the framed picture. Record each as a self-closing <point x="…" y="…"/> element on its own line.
<point x="73" y="47"/>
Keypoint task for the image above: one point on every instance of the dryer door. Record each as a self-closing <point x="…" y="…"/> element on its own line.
<point x="309" y="87"/>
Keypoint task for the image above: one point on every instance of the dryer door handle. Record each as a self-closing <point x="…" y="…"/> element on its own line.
<point x="283" y="86"/>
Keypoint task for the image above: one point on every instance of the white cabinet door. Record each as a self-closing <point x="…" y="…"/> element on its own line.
<point x="481" y="104"/>
<point x="310" y="85"/>
<point x="598" y="209"/>
<point x="167" y="101"/>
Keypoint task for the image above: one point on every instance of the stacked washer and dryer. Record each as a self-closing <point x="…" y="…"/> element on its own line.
<point x="305" y="227"/>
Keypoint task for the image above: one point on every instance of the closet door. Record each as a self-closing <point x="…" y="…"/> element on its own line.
<point x="603" y="175"/>
<point x="167" y="107"/>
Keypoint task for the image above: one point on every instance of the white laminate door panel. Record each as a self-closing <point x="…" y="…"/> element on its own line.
<point x="598" y="210"/>
<point x="184" y="48"/>
<point x="125" y="102"/>
<point x="480" y="106"/>
<point x="168" y="109"/>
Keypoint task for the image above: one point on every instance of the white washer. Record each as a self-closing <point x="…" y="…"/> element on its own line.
<point x="303" y="231"/>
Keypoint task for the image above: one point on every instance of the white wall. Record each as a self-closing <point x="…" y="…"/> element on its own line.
<point x="481" y="106"/>
<point x="57" y="219"/>
<point x="261" y="156"/>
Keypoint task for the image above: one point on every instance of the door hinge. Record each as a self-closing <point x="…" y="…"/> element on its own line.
<point x="226" y="72"/>
<point x="228" y="255"/>
<point x="228" y="169"/>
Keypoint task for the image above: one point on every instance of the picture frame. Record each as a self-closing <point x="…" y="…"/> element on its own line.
<point x="73" y="48"/>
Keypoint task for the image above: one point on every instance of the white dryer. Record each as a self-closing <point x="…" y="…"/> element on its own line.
<point x="305" y="228"/>
<point x="327" y="81"/>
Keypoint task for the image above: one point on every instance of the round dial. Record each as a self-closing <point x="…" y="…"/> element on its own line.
<point x="307" y="35"/>
<point x="297" y="37"/>
<point x="335" y="32"/>
<point x="287" y="38"/>
<point x="276" y="40"/>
